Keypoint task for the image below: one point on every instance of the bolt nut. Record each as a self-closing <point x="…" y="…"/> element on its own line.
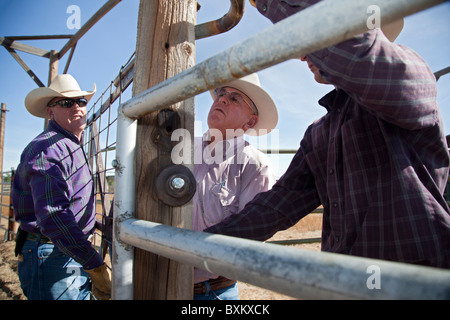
<point x="177" y="183"/>
<point x="115" y="163"/>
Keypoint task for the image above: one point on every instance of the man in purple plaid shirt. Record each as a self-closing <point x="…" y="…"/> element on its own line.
<point x="53" y="198"/>
<point x="377" y="161"/>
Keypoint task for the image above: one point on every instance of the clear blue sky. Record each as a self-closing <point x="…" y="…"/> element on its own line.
<point x="108" y="45"/>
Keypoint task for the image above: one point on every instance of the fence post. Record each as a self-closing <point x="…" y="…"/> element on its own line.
<point x="52" y="72"/>
<point x="2" y="134"/>
<point x="12" y="225"/>
<point x="165" y="47"/>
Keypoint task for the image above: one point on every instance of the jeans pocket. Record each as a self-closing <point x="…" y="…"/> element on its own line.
<point x="25" y="265"/>
<point x="62" y="276"/>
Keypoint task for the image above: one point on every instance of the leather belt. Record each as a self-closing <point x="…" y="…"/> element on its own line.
<point x="40" y="237"/>
<point x="214" y="284"/>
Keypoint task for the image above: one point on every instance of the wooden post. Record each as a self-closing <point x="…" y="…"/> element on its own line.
<point x="3" y="110"/>
<point x="12" y="224"/>
<point x="2" y="135"/>
<point x="165" y="47"/>
<point x="52" y="72"/>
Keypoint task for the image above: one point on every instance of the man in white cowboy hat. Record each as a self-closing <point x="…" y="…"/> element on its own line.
<point x="232" y="171"/>
<point x="53" y="198"/>
<point x="377" y="161"/>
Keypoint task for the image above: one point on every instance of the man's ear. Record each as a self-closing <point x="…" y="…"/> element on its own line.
<point x="251" y="122"/>
<point x="50" y="113"/>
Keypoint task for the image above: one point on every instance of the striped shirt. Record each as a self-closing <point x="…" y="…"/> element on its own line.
<point x="228" y="176"/>
<point x="377" y="161"/>
<point x="53" y="194"/>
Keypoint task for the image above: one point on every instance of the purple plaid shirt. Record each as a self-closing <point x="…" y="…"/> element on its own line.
<point x="53" y="194"/>
<point x="377" y="161"/>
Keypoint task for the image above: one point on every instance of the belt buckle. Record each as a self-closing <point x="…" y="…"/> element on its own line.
<point x="36" y="237"/>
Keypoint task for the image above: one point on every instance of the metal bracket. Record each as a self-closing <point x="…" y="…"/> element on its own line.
<point x="175" y="185"/>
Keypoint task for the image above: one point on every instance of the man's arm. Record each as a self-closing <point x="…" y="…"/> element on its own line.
<point x="290" y="199"/>
<point x="390" y="80"/>
<point x="54" y="217"/>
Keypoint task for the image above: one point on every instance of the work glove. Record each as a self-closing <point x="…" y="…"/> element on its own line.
<point x="101" y="282"/>
<point x="252" y="2"/>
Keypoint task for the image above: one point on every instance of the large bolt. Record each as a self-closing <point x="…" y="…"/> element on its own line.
<point x="115" y="164"/>
<point x="177" y="183"/>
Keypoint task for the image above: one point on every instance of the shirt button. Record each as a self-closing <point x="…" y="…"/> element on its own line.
<point x="335" y="205"/>
<point x="331" y="171"/>
<point x="264" y="8"/>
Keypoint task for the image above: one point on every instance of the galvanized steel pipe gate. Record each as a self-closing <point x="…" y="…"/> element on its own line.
<point x="301" y="274"/>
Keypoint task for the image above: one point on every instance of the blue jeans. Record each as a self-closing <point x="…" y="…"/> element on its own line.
<point x="46" y="273"/>
<point x="228" y="293"/>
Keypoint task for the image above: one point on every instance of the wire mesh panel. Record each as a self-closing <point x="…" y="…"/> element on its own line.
<point x="100" y="144"/>
<point x="8" y="226"/>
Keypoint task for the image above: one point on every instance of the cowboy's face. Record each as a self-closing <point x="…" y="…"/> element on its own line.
<point x="231" y="110"/>
<point x="314" y="70"/>
<point x="72" y="119"/>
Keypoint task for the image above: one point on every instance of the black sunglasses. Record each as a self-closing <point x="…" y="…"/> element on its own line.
<point x="68" y="103"/>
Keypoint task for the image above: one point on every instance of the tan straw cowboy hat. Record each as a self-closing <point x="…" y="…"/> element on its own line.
<point x="267" y="110"/>
<point x="64" y="86"/>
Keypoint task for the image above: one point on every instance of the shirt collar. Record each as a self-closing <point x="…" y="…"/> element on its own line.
<point x="54" y="126"/>
<point x="333" y="99"/>
<point x="235" y="142"/>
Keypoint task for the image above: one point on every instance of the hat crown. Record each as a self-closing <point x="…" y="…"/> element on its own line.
<point x="64" y="83"/>
<point x="251" y="78"/>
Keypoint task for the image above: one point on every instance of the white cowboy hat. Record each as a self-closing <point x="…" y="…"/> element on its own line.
<point x="64" y="85"/>
<point x="267" y="110"/>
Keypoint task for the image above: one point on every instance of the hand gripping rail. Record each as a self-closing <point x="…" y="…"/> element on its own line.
<point x="324" y="24"/>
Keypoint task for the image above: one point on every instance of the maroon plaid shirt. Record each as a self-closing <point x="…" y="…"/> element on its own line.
<point x="377" y="161"/>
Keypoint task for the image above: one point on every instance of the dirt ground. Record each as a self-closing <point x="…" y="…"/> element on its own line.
<point x="309" y="227"/>
<point x="9" y="281"/>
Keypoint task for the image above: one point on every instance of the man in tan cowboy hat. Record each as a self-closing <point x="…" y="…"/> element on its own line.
<point x="231" y="171"/>
<point x="377" y="161"/>
<point x="53" y="198"/>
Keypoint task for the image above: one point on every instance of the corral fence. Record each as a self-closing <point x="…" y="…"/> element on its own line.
<point x="110" y="141"/>
<point x="297" y="273"/>
<point x="7" y="223"/>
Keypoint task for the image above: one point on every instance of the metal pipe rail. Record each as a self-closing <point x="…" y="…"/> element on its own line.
<point x="321" y="25"/>
<point x="324" y="24"/>
<point x="298" y="273"/>
<point x="227" y="22"/>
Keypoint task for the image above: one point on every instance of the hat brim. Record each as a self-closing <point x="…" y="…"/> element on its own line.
<point x="37" y="100"/>
<point x="267" y="110"/>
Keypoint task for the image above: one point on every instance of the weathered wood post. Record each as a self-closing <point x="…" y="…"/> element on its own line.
<point x="2" y="135"/>
<point x="165" y="47"/>
<point x="52" y="72"/>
